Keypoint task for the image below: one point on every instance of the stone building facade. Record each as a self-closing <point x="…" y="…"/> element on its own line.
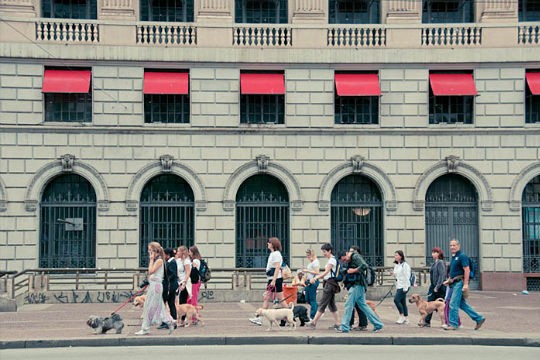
<point x="310" y="168"/>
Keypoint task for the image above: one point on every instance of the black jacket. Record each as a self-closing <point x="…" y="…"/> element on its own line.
<point x="170" y="280"/>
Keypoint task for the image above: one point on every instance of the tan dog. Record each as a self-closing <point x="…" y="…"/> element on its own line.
<point x="275" y="315"/>
<point x="190" y="312"/>
<point x="428" y="307"/>
<point x="371" y="304"/>
<point x="139" y="301"/>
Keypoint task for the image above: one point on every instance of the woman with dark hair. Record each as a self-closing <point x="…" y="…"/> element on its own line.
<point x="437" y="275"/>
<point x="195" y="277"/>
<point x="402" y="273"/>
<point x="274" y="288"/>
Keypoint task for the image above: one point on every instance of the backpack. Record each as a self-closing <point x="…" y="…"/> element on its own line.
<point x="472" y="269"/>
<point x="412" y="278"/>
<point x="286" y="272"/>
<point x="338" y="274"/>
<point x="204" y="272"/>
<point x="370" y="276"/>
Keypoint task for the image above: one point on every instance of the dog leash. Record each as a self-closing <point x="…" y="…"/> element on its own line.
<point x="385" y="296"/>
<point x="129" y="300"/>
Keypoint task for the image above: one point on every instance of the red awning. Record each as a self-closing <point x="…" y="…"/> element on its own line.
<point x="533" y="79"/>
<point x="357" y="85"/>
<point x="166" y="83"/>
<point x="66" y="81"/>
<point x="452" y="84"/>
<point x="262" y="84"/>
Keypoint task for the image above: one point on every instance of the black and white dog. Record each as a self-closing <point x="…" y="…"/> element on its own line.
<point x="101" y="325"/>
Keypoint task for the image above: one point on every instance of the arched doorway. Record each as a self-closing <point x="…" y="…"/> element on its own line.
<point x="262" y="211"/>
<point x="166" y="214"/>
<point x="452" y="213"/>
<point x="356" y="217"/>
<point x="68" y="223"/>
<point x="530" y="202"/>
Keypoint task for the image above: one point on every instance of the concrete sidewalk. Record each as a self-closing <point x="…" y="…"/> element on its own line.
<point x="513" y="319"/>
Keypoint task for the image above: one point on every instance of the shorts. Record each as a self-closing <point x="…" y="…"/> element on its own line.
<point x="279" y="284"/>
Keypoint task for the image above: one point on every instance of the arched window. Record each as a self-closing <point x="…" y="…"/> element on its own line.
<point x="262" y="211"/>
<point x="261" y="11"/>
<point x="530" y="202"/>
<point x="452" y="213"/>
<point x="69" y="9"/>
<point x="167" y="10"/>
<point x="354" y="12"/>
<point x="166" y="214"/>
<point x="67" y="236"/>
<point x="356" y="217"/>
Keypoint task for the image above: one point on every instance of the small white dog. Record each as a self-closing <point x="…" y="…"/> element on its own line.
<point x="275" y="315"/>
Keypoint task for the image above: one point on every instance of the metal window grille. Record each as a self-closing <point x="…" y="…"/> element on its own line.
<point x="529" y="10"/>
<point x="533" y="284"/>
<point x="67" y="237"/>
<point x="354" y="12"/>
<point x="166" y="214"/>
<point x="262" y="109"/>
<point x="450" y="109"/>
<point x="261" y="11"/>
<point x="69" y="9"/>
<point x="532" y="107"/>
<point x="68" y="107"/>
<point x="356" y="218"/>
<point x="262" y="211"/>
<point x="166" y="109"/>
<point x="448" y="11"/>
<point x="356" y="109"/>
<point x="167" y="10"/>
<point x="531" y="226"/>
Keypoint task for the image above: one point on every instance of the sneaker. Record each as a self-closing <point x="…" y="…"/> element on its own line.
<point x="424" y="325"/>
<point x="334" y="327"/>
<point x="256" y="321"/>
<point x="163" y="326"/>
<point x="360" y="328"/>
<point x="339" y="329"/>
<point x="310" y="325"/>
<point x="406" y="321"/>
<point x="400" y="320"/>
<point x="376" y="330"/>
<point x="479" y="324"/>
<point x="141" y="332"/>
<point x="171" y="326"/>
<point x="448" y="327"/>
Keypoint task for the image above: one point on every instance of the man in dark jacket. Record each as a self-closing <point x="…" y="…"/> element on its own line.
<point x="170" y="285"/>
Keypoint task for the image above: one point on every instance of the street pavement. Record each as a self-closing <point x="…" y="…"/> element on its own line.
<point x="513" y="319"/>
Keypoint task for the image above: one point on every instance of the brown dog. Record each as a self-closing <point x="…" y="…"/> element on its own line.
<point x="428" y="307"/>
<point x="190" y="312"/>
<point x="139" y="301"/>
<point x="371" y="304"/>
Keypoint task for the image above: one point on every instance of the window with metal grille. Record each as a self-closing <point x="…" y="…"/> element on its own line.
<point x="448" y="11"/>
<point x="530" y="201"/>
<point x="167" y="10"/>
<point x="68" y="107"/>
<point x="532" y="107"/>
<point x="354" y="12"/>
<point x="166" y="214"/>
<point x="450" y="109"/>
<point x="262" y="109"/>
<point x="356" y="217"/>
<point x="529" y="10"/>
<point x="356" y="109"/>
<point x="261" y="11"/>
<point x="159" y="108"/>
<point x="69" y="9"/>
<point x="533" y="283"/>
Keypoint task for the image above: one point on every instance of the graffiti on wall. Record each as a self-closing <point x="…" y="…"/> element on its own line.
<point x="206" y="295"/>
<point x="79" y="297"/>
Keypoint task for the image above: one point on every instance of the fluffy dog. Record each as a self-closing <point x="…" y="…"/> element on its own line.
<point x="139" y="301"/>
<point x="101" y="325"/>
<point x="300" y="313"/>
<point x="427" y="307"/>
<point x="275" y="315"/>
<point x="190" y="312"/>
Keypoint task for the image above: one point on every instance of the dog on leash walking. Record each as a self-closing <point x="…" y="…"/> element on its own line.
<point x="190" y="312"/>
<point x="275" y="315"/>
<point x="139" y="301"/>
<point x="101" y="325"/>
<point x="427" y="307"/>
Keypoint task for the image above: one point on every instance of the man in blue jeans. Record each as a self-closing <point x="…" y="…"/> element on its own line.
<point x="459" y="284"/>
<point x="357" y="267"/>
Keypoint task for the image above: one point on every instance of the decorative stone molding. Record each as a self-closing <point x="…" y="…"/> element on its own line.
<point x="18" y="7"/>
<point x="497" y="10"/>
<point x="156" y="168"/>
<point x="65" y="164"/>
<point x="519" y="183"/>
<point x="452" y="163"/>
<point x="458" y="167"/>
<point x="253" y="168"/>
<point x="306" y="9"/>
<point x="117" y="9"/>
<point x="400" y="11"/>
<point x="262" y="162"/>
<point x="357" y="167"/>
<point x="214" y="8"/>
<point x="3" y="196"/>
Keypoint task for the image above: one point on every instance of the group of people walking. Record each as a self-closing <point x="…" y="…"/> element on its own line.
<point x="450" y="285"/>
<point x="173" y="278"/>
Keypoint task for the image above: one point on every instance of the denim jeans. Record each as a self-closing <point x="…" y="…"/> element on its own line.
<point x="311" y="298"/>
<point x="458" y="302"/>
<point x="434" y="295"/>
<point x="401" y="302"/>
<point x="357" y="296"/>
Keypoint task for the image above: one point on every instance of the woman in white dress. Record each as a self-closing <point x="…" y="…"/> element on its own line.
<point x="154" y="312"/>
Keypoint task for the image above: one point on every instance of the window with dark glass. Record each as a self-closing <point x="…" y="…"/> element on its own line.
<point x="447" y="11"/>
<point x="67" y="95"/>
<point x="262" y="99"/>
<point x="261" y="11"/>
<point x="356" y="98"/>
<point x="529" y="10"/>
<point x="532" y="97"/>
<point x="451" y="98"/>
<point x="69" y="9"/>
<point x="354" y="11"/>
<point x="166" y="97"/>
<point x="167" y="10"/>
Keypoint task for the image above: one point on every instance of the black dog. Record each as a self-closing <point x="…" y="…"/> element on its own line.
<point x="102" y="325"/>
<point x="300" y="312"/>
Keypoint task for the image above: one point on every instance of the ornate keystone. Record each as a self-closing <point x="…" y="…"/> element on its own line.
<point x="452" y="162"/>
<point x="67" y="161"/>
<point x="103" y="205"/>
<point x="262" y="162"/>
<point x="30" y="205"/>
<point x="166" y="162"/>
<point x="357" y="162"/>
<point x="132" y="205"/>
<point x="229" y="205"/>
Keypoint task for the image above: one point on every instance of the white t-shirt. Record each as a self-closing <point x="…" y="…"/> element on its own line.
<point x="181" y="268"/>
<point x="315" y="264"/>
<point x="275" y="257"/>
<point x="196" y="263"/>
<point x="332" y="261"/>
